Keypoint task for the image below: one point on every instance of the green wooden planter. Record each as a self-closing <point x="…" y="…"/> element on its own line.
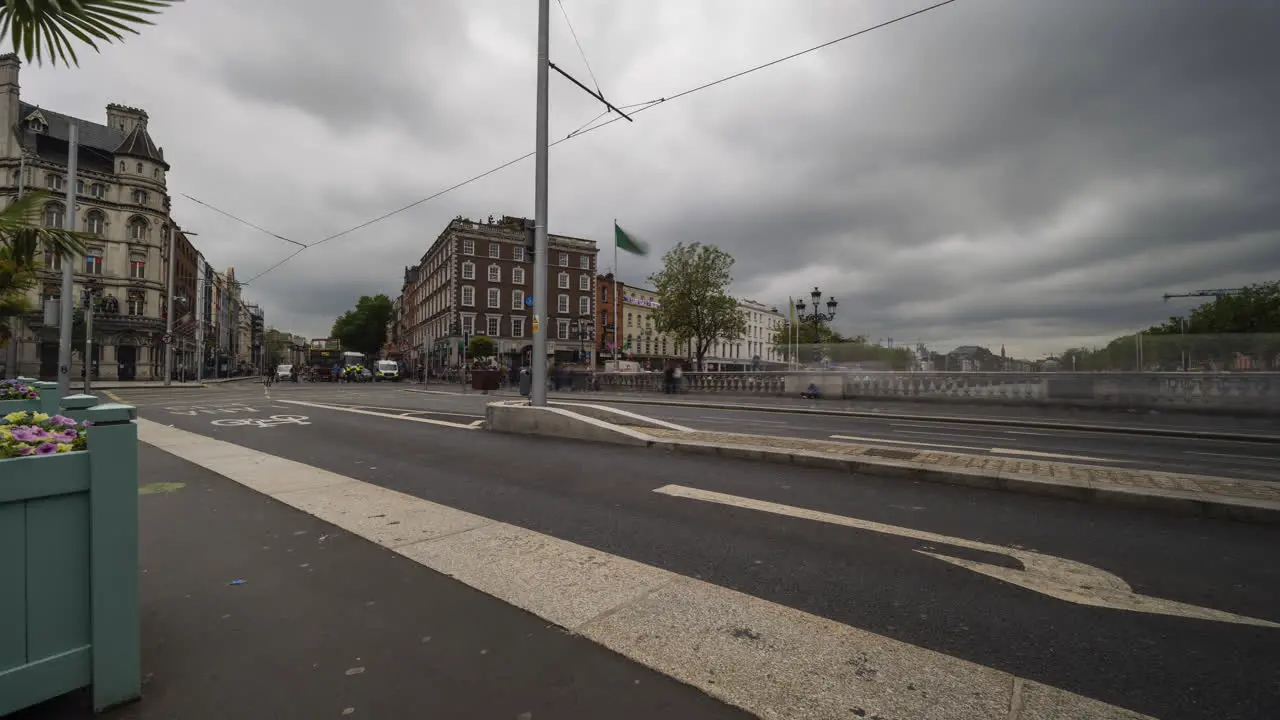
<point x="69" y="568"/>
<point x="47" y="403"/>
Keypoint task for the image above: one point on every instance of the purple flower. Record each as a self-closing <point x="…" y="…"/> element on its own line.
<point x="46" y="449"/>
<point x="23" y="450"/>
<point x="63" y="420"/>
<point x="66" y="435"/>
<point x="23" y="433"/>
<point x="87" y="423"/>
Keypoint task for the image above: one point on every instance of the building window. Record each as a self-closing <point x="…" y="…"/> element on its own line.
<point x="52" y="261"/>
<point x="53" y="215"/>
<point x="584" y="262"/>
<point x="584" y="305"/>
<point x="93" y="261"/>
<point x="54" y="182"/>
<point x="95" y="222"/>
<point x="137" y="267"/>
<point x="517" y="299"/>
<point x="517" y="276"/>
<point x="584" y="283"/>
<point x="517" y="253"/>
<point x="140" y="197"/>
<point x="156" y="173"/>
<point x="495" y="250"/>
<point x="495" y="273"/>
<point x="139" y="168"/>
<point x="98" y="190"/>
<point x="468" y="270"/>
<point x="122" y="166"/>
<point x="629" y="316"/>
<point x="138" y="229"/>
<point x="468" y="247"/>
<point x="495" y="299"/>
<point x="517" y="327"/>
<point x="468" y="324"/>
<point x="562" y="281"/>
<point x="562" y="329"/>
<point x="79" y="187"/>
<point x="494" y="326"/>
<point x="562" y="304"/>
<point x="564" y="259"/>
<point x="468" y="296"/>
<point x="137" y="303"/>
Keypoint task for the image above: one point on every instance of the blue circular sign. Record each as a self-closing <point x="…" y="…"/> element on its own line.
<point x="528" y="301"/>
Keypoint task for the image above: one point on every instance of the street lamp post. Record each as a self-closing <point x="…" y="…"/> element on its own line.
<point x="816" y="317"/>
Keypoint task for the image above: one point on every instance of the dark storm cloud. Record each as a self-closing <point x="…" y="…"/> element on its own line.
<point x="1143" y="124"/>
<point x="353" y="66"/>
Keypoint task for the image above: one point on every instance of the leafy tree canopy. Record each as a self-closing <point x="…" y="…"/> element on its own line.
<point x="481" y="346"/>
<point x="364" y="328"/>
<point x="826" y="343"/>
<point x="693" y="289"/>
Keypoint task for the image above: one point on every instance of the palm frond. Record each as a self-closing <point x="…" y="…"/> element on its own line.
<point x="22" y="234"/>
<point x="49" y="29"/>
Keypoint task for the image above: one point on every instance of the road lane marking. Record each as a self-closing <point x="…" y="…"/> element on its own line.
<point x="1229" y="456"/>
<point x="405" y="411"/>
<point x="905" y="442"/>
<point x="999" y="451"/>
<point x="340" y="408"/>
<point x="970" y="438"/>
<point x="433" y="392"/>
<point x="1056" y="577"/>
<point x="772" y="660"/>
<point x="1055" y="456"/>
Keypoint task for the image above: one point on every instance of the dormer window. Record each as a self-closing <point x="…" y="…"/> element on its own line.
<point x="37" y="125"/>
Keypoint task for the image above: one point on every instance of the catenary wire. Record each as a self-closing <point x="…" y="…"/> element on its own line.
<point x="578" y="42"/>
<point x="646" y="106"/>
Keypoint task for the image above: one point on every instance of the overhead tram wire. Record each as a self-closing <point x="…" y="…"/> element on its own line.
<point x="242" y="221"/>
<point x="578" y="42"/>
<point x="646" y="106"/>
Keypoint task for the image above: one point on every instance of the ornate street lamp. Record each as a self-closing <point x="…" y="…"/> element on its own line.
<point x="817" y="317"/>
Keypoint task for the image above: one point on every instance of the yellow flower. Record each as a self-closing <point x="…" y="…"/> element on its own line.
<point x="64" y="447"/>
<point x="14" y="417"/>
<point x="39" y="417"/>
<point x="5" y="433"/>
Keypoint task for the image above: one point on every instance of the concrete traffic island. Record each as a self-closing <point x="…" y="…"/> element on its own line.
<point x="1254" y="501"/>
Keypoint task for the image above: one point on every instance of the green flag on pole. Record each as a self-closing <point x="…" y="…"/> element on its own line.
<point x="628" y="243"/>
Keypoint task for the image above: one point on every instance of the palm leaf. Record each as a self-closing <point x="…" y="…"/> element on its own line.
<point x="23" y="237"/>
<point x="49" y="29"/>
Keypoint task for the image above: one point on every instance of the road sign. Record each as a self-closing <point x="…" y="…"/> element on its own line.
<point x="528" y="301"/>
<point x="166" y="338"/>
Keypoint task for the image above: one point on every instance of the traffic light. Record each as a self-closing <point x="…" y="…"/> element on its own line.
<point x="530" y="238"/>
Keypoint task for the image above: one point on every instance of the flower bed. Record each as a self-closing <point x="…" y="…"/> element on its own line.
<point x="69" y="555"/>
<point x="18" y="395"/>
<point x="32" y="433"/>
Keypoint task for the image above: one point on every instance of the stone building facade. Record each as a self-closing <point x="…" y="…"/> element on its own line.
<point x="475" y="279"/>
<point x="121" y="198"/>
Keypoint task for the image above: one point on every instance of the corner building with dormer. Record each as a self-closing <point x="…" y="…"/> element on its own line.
<point x="122" y="199"/>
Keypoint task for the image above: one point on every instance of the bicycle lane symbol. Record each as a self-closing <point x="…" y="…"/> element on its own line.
<point x="266" y="422"/>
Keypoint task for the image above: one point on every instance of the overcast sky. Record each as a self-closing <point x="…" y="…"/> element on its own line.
<point x="1029" y="172"/>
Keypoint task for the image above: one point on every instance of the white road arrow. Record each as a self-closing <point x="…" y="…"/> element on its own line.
<point x="1056" y="577"/>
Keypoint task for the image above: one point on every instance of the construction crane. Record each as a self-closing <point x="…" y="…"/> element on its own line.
<point x="1222" y="292"/>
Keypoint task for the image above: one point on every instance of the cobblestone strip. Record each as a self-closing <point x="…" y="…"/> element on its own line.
<point x="1095" y="476"/>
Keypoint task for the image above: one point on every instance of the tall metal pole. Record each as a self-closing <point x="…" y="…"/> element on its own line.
<point x="168" y="320"/>
<point x="540" y="319"/>
<point x="68" y="279"/>
<point x="11" y="351"/>
<point x="88" y="341"/>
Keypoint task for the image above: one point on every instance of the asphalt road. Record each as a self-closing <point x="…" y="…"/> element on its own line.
<point x="603" y="497"/>
<point x="1249" y="460"/>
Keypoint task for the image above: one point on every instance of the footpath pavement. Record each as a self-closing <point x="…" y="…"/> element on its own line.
<point x="328" y="624"/>
<point x="1237" y="499"/>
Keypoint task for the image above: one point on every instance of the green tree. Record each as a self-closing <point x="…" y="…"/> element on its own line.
<point x="363" y="329"/>
<point x="839" y="348"/>
<point x="481" y="346"/>
<point x="50" y="29"/>
<point x="693" y="289"/>
<point x="22" y="244"/>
